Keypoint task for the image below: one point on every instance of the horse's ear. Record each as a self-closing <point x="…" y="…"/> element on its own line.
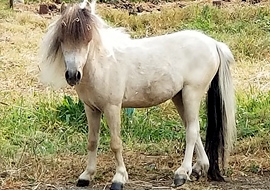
<point x="63" y="7"/>
<point x="88" y="5"/>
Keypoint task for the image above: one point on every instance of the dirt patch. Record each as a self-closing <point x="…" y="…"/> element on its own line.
<point x="133" y="8"/>
<point x="243" y="183"/>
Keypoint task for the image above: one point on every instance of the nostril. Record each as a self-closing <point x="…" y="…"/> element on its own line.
<point x="78" y="75"/>
<point x="67" y="75"/>
<point x="73" y="77"/>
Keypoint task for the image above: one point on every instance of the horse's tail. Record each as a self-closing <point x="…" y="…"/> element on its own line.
<point x="221" y="130"/>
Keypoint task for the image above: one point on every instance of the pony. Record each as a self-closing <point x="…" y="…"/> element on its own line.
<point x="110" y="71"/>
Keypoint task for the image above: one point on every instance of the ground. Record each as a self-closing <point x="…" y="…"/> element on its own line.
<point x="242" y="183"/>
<point x="145" y="172"/>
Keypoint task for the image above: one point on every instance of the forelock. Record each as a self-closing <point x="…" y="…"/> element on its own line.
<point x="75" y="25"/>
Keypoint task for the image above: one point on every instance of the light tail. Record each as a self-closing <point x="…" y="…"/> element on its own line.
<point x="221" y="130"/>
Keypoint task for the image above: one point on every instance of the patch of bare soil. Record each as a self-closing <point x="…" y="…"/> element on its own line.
<point x="241" y="183"/>
<point x="258" y="183"/>
<point x="53" y="7"/>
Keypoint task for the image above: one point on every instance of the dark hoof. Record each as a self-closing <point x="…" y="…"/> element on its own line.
<point x="195" y="176"/>
<point x="215" y="175"/>
<point x="83" y="183"/>
<point x="116" y="186"/>
<point x="179" y="180"/>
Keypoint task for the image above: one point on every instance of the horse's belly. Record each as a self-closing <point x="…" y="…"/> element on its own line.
<point x="143" y="101"/>
<point x="151" y="95"/>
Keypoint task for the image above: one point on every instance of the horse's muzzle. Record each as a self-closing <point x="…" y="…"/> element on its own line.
<point x="73" y="77"/>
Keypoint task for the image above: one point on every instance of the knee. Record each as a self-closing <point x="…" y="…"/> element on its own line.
<point x="192" y="131"/>
<point x="92" y="145"/>
<point x="116" y="144"/>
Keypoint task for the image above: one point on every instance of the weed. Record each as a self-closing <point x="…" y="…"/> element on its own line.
<point x="253" y="115"/>
<point x="72" y="113"/>
<point x="254" y="167"/>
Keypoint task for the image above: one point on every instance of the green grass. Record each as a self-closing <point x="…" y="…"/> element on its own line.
<point x="236" y="26"/>
<point x="253" y="115"/>
<point x="49" y="127"/>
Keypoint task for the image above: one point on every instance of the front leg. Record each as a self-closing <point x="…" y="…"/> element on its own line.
<point x="112" y="114"/>
<point x="93" y="117"/>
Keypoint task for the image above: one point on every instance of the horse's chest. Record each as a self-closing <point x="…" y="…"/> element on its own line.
<point x="98" y="95"/>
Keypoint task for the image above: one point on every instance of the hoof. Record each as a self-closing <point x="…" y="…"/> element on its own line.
<point x="83" y="183"/>
<point x="116" y="186"/>
<point x="195" y="176"/>
<point x="215" y="175"/>
<point x="179" y="180"/>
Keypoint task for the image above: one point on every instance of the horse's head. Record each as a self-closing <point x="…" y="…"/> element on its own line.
<point x="75" y="33"/>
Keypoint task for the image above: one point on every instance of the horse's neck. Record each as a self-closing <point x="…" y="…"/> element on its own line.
<point x="95" y="63"/>
<point x="92" y="83"/>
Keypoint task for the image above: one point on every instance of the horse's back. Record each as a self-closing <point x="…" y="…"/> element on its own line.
<point x="159" y="67"/>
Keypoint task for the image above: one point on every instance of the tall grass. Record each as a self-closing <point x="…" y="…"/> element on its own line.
<point x="60" y="125"/>
<point x="253" y="115"/>
<point x="237" y="26"/>
<point x="53" y="126"/>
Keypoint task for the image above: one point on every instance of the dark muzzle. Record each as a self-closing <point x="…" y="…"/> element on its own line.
<point x="73" y="77"/>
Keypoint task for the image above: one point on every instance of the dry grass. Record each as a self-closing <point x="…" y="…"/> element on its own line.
<point x="250" y="75"/>
<point x="20" y="34"/>
<point x="145" y="171"/>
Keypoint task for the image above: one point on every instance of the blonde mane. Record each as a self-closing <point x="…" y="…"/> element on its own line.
<point x="77" y="24"/>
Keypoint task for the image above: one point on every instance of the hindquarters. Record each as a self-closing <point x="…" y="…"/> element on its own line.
<point x="221" y="115"/>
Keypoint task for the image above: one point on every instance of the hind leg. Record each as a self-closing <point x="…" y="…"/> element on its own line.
<point x="202" y="163"/>
<point x="188" y="105"/>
